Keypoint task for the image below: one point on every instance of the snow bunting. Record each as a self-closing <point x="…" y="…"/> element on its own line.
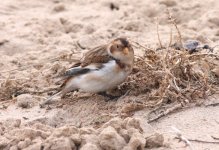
<point x="101" y="69"/>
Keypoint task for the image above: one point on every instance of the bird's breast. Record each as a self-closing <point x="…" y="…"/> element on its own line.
<point x="113" y="72"/>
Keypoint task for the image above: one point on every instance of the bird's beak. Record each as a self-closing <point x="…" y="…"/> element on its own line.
<point x="126" y="51"/>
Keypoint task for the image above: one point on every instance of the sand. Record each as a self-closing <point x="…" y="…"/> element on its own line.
<point x="41" y="39"/>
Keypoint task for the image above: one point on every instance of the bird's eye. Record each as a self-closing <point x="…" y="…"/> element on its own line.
<point x="117" y="46"/>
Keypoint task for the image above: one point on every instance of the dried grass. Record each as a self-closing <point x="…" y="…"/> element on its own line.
<point x="172" y="75"/>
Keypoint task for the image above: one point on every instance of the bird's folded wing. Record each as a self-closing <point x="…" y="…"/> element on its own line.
<point x="76" y="71"/>
<point x="72" y="72"/>
<point x="92" y="60"/>
<point x="96" y="55"/>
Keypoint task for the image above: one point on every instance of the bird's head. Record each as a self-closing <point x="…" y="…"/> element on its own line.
<point x="122" y="50"/>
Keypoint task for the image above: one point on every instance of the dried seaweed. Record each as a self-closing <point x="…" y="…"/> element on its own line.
<point x="172" y="75"/>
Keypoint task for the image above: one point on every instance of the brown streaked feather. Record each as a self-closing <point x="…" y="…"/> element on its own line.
<point x="76" y="65"/>
<point x="96" y="55"/>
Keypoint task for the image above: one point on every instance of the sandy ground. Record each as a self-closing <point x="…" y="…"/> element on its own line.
<point x="40" y="39"/>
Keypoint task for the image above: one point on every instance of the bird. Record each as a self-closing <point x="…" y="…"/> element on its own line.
<point x="101" y="69"/>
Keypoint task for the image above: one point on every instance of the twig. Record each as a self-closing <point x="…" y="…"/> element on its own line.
<point x="43" y="91"/>
<point x="171" y="37"/>
<point x="146" y="48"/>
<point x="215" y="138"/>
<point x="124" y="95"/>
<point x="142" y="59"/>
<point x="79" y="45"/>
<point x="213" y="104"/>
<point x="173" y="21"/>
<point x="203" y="54"/>
<point x="165" y="113"/>
<point x="215" y="46"/>
<point x="6" y="101"/>
<point x="181" y="137"/>
<point x="203" y="141"/>
<point x="158" y="35"/>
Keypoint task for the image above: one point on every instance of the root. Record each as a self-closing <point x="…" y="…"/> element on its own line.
<point x="203" y="141"/>
<point x="163" y="113"/>
<point x="180" y="136"/>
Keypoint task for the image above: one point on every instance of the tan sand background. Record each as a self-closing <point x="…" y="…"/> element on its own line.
<point x="41" y="38"/>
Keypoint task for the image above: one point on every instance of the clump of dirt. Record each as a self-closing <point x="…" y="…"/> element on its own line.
<point x="10" y="88"/>
<point x="115" y="134"/>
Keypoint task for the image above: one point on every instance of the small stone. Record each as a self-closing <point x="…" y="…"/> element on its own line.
<point x="59" y="8"/>
<point x="168" y="3"/>
<point x="63" y="20"/>
<point x="114" y="6"/>
<point x="25" y="101"/>
<point x="191" y="45"/>
<point x="155" y="140"/>
<point x="3" y="41"/>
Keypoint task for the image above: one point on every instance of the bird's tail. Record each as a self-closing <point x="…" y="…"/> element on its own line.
<point x="48" y="100"/>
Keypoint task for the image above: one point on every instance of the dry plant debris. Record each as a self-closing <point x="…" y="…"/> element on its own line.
<point x="171" y="75"/>
<point x="178" y="74"/>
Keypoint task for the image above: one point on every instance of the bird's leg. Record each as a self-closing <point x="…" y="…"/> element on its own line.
<point x="49" y="100"/>
<point x="111" y="97"/>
